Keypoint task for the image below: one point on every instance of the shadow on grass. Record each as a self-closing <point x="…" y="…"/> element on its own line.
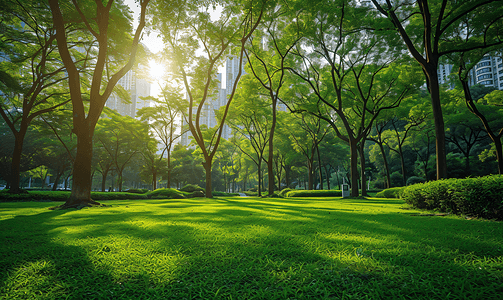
<point x="33" y="263"/>
<point x="251" y="248"/>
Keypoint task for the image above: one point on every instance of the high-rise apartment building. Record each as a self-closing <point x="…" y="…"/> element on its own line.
<point x="137" y="87"/>
<point x="213" y="104"/>
<point x="488" y="72"/>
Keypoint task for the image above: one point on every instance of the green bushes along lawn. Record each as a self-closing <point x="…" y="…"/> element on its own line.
<point x="478" y="197"/>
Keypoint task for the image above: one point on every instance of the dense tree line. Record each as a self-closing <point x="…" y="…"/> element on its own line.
<point x="332" y="90"/>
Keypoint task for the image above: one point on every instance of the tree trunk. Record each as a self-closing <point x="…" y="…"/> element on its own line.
<point x="270" y="170"/>
<point x="402" y="162"/>
<point x="362" y="168"/>
<point x="15" y="181"/>
<point x="327" y="174"/>
<point x="386" y="166"/>
<point x="104" y="180"/>
<point x="434" y="87"/>
<point x="499" y="154"/>
<point x="56" y="180"/>
<point x="154" y="180"/>
<point x="319" y="167"/>
<point x="353" y="148"/>
<point x="81" y="179"/>
<point x="207" y="169"/>
<point x="309" y="175"/>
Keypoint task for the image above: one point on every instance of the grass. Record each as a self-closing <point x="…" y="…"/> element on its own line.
<point x="246" y="248"/>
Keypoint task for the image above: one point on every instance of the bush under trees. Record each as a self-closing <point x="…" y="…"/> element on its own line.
<point x="478" y="197"/>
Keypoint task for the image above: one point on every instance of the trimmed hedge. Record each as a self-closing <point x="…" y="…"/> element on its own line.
<point x="478" y="197"/>
<point x="137" y="191"/>
<point x="190" y="188"/>
<point x="166" y="194"/>
<point x="390" y="193"/>
<point x="224" y="194"/>
<point x="313" y="193"/>
<point x="63" y="195"/>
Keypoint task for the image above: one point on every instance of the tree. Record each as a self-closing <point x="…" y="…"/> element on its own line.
<point x="33" y="75"/>
<point x="123" y="137"/>
<point x="187" y="168"/>
<point x="191" y="29"/>
<point x="251" y="126"/>
<point x="110" y="36"/>
<point x="433" y="28"/>
<point x="267" y="55"/>
<point x="345" y="78"/>
<point x="494" y="102"/>
<point x="464" y="131"/>
<point x="162" y="118"/>
<point x="306" y="134"/>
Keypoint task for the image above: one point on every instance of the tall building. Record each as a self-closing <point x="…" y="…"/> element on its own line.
<point x="137" y="87"/>
<point x="212" y="105"/>
<point x="488" y="72"/>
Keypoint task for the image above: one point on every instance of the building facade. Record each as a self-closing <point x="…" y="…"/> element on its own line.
<point x="208" y="115"/>
<point x="137" y="87"/>
<point x="488" y="72"/>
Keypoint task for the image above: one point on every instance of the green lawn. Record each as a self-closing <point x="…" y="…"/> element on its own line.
<point x="246" y="248"/>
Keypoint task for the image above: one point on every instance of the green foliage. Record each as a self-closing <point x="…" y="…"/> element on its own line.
<point x="396" y="179"/>
<point x="166" y="194"/>
<point x="415" y="179"/>
<point x="190" y="188"/>
<point x="224" y="194"/>
<point x="313" y="193"/>
<point x="478" y="197"/>
<point x="285" y="191"/>
<point x="390" y="193"/>
<point x="137" y="191"/>
<point x="64" y="195"/>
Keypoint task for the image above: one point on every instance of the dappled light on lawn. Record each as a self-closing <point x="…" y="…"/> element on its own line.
<point x="246" y="248"/>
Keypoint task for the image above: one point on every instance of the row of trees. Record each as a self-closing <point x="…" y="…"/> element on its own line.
<point x="343" y="66"/>
<point x="307" y="153"/>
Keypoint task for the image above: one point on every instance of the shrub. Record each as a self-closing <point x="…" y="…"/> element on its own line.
<point x="222" y="194"/>
<point x="195" y="194"/>
<point x="116" y="196"/>
<point x="166" y="194"/>
<point x="137" y="191"/>
<point x="390" y="193"/>
<point x="415" y="179"/>
<point x="396" y="179"/>
<point x="313" y="193"/>
<point x="284" y="191"/>
<point x="190" y="188"/>
<point x="64" y="195"/>
<point x="479" y="197"/>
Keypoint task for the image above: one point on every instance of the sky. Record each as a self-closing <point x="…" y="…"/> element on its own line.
<point x="152" y="41"/>
<point x="155" y="44"/>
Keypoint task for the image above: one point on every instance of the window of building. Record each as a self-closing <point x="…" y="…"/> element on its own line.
<point x="500" y="65"/>
<point x="484" y="70"/>
<point x="485" y="58"/>
<point x="487" y="82"/>
<point x="483" y="64"/>
<point x="485" y="76"/>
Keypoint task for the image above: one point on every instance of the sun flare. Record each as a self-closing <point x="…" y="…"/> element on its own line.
<point x="157" y="70"/>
